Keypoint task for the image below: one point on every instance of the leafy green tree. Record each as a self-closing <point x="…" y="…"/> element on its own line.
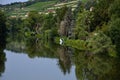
<point x="65" y="28"/>
<point x="61" y="13"/>
<point x="101" y="13"/>
<point x="114" y="33"/>
<point x="2" y="30"/>
<point x="49" y="28"/>
<point x="82" y="25"/>
<point x="49" y="21"/>
<point x="114" y="9"/>
<point x="2" y="41"/>
<point x="15" y="29"/>
<point x="114" y="26"/>
<point x="99" y="43"/>
<point x="89" y="4"/>
<point x="33" y="21"/>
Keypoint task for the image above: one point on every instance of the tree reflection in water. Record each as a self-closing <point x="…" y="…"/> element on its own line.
<point x="37" y="48"/>
<point x="95" y="67"/>
<point x="2" y="62"/>
<point x="87" y="66"/>
<point x="64" y="59"/>
<point x="2" y="42"/>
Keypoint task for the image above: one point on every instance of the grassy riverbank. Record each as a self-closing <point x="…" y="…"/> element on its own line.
<point x="78" y="44"/>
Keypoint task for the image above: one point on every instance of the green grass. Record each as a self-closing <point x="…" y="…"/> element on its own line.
<point x="41" y="5"/>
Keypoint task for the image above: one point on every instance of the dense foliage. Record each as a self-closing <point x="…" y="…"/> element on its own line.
<point x="93" y="28"/>
<point x="2" y="41"/>
<point x="97" y="22"/>
<point x="2" y="30"/>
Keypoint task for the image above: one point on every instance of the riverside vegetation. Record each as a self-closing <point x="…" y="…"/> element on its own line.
<point x="93" y="27"/>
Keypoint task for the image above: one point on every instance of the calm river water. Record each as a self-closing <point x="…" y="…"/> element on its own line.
<point x="33" y="59"/>
<point x="20" y="67"/>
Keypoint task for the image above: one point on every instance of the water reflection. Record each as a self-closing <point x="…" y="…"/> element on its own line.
<point x="2" y="54"/>
<point x="87" y="66"/>
<point x="49" y="60"/>
<point x="114" y="73"/>
<point x="64" y="59"/>
<point x="95" y="67"/>
<point x="2" y="62"/>
<point x="37" y="48"/>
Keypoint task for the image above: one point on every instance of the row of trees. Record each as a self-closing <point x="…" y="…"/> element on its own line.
<point x="48" y="26"/>
<point x="98" y="24"/>
<point x="95" y="22"/>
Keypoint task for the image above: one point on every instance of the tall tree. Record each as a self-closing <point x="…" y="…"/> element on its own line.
<point x="114" y="31"/>
<point x="101" y="13"/>
<point x="2" y="42"/>
<point x="65" y="25"/>
<point x="2" y="30"/>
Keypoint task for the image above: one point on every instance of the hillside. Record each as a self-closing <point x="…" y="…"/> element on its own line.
<point x="40" y="6"/>
<point x="16" y="10"/>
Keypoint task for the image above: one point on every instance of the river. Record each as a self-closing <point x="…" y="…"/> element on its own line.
<point x="34" y="59"/>
<point x="20" y="67"/>
<point x="11" y="1"/>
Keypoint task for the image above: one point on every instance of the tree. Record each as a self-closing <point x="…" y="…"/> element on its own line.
<point x="65" y="25"/>
<point x="49" y="22"/>
<point x="49" y="28"/>
<point x="114" y="26"/>
<point x="2" y="30"/>
<point x="34" y="21"/>
<point x="101" y="13"/>
<point x="61" y="13"/>
<point x="2" y="41"/>
<point x="114" y="33"/>
<point x="99" y="43"/>
<point x="83" y="25"/>
<point x="114" y="9"/>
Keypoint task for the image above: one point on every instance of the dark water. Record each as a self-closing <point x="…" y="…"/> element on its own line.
<point x="11" y="1"/>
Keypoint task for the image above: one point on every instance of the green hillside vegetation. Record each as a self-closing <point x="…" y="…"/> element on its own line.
<point x="40" y="6"/>
<point x="93" y="28"/>
<point x="90" y="26"/>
